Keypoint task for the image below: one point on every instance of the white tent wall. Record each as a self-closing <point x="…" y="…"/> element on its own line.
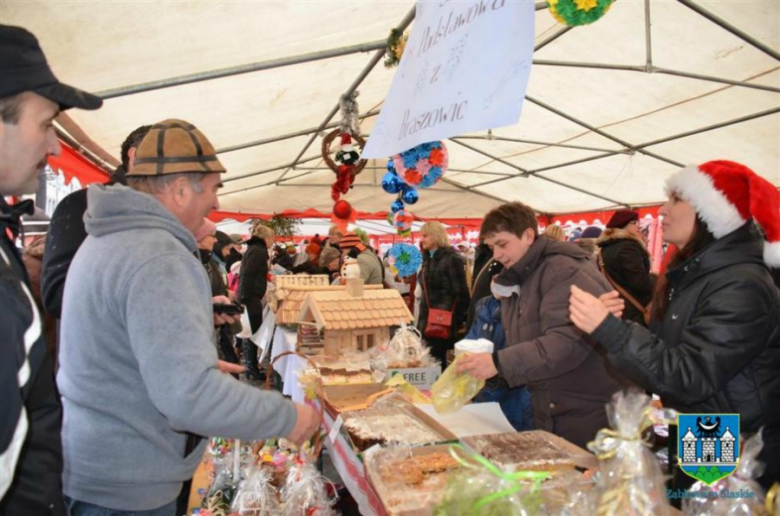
<point x="612" y="109"/>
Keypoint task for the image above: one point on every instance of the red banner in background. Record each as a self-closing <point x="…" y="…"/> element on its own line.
<point x="72" y="164"/>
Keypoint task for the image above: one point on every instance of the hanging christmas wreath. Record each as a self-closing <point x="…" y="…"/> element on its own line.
<point x="404" y="259"/>
<point x="422" y="166"/>
<point x="578" y="12"/>
<point x="347" y="163"/>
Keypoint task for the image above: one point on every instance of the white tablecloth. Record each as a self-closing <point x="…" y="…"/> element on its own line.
<point x="289" y="366"/>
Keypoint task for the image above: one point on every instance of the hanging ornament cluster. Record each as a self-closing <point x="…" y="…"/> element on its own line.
<point x="404" y="259"/>
<point x="578" y="12"/>
<point x="345" y="159"/>
<point x="343" y="215"/>
<point x="402" y="222"/>
<point x="420" y="167"/>
<point x="396" y="43"/>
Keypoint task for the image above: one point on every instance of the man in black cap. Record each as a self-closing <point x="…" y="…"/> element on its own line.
<point x="30" y="413"/>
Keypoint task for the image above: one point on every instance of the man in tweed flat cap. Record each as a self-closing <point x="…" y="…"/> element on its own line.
<point x="140" y="373"/>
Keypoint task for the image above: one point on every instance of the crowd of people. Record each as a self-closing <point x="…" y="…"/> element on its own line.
<point x="146" y="367"/>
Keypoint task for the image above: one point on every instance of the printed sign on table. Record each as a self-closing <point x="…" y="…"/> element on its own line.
<point x="465" y="68"/>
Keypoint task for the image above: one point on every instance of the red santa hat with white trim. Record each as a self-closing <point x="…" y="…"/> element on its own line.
<point x="726" y="195"/>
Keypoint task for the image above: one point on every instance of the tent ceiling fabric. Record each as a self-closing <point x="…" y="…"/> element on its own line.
<point x="606" y="116"/>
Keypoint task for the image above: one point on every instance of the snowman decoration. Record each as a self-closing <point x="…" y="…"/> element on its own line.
<point x="350" y="268"/>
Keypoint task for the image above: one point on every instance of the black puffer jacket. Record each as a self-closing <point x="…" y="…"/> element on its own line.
<point x="717" y="349"/>
<point x="253" y="280"/>
<point x="443" y="278"/>
<point x="627" y="262"/>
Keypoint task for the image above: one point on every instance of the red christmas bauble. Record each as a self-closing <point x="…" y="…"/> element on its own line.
<point x="342" y="209"/>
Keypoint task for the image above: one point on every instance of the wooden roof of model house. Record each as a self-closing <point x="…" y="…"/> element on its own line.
<point x="296" y="295"/>
<point x="337" y="310"/>
<point x="285" y="282"/>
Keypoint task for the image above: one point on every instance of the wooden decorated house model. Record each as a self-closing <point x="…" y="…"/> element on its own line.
<point x="354" y="319"/>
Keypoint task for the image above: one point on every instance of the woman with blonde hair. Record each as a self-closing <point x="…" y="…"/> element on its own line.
<point x="555" y="232"/>
<point x="252" y="284"/>
<point x="445" y="295"/>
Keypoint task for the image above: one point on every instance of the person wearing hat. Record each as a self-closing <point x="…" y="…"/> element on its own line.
<point x="252" y="285"/>
<point x="67" y="233"/>
<point x="139" y="375"/>
<point x="312" y="264"/>
<point x="226" y="252"/>
<point x="30" y="411"/>
<point x="371" y="269"/>
<point x="714" y="340"/>
<point x="330" y="261"/>
<point x="625" y="262"/>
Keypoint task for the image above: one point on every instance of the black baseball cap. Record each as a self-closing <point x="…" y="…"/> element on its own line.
<point x="23" y="67"/>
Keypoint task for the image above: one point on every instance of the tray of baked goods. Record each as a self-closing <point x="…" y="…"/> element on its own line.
<point x="535" y="450"/>
<point x="447" y="479"/>
<point x="392" y="422"/>
<point x="408" y="480"/>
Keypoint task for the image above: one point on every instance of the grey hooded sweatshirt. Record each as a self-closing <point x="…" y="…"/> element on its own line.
<point x="138" y="367"/>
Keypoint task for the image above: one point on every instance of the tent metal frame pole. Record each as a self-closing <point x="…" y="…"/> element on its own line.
<point x="688" y="75"/>
<point x="552" y="38"/>
<point x="240" y="69"/>
<point x="267" y="170"/>
<point x="477" y="192"/>
<point x="354" y="86"/>
<point x="595" y="66"/>
<point x="532" y="142"/>
<point x="600" y="132"/>
<point x="523" y="172"/>
<point x="730" y="28"/>
<point x="287" y="136"/>
<point x="701" y="130"/>
<point x="648" y="40"/>
<point x="654" y="69"/>
<point x="551" y="167"/>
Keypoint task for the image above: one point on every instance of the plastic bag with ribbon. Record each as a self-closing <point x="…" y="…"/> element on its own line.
<point x="404" y="350"/>
<point x="453" y="390"/>
<point x="307" y="492"/>
<point x="256" y="496"/>
<point x="482" y="489"/>
<point x="631" y="481"/>
<point x="735" y="495"/>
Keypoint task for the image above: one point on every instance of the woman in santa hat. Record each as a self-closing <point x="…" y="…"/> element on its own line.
<point x="714" y="340"/>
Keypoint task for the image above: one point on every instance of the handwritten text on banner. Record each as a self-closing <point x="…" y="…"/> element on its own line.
<point x="465" y="68"/>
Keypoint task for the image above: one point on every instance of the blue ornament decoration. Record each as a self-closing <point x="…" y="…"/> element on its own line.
<point x="410" y="196"/>
<point x="397" y="205"/>
<point x="391" y="183"/>
<point x="406" y="259"/>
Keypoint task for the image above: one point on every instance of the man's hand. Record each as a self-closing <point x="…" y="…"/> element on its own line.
<point x="230" y="368"/>
<point x="307" y="422"/>
<point x="478" y="365"/>
<point x="586" y="311"/>
<point x="613" y="302"/>
<point x="220" y="319"/>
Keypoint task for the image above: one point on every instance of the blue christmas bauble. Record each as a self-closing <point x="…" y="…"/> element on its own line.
<point x="397" y="205"/>
<point x="391" y="183"/>
<point x="411" y="196"/>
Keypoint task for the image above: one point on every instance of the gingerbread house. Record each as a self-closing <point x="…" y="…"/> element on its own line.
<point x="287" y="314"/>
<point x="353" y="319"/>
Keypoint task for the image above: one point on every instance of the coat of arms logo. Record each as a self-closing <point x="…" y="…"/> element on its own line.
<point x="708" y="445"/>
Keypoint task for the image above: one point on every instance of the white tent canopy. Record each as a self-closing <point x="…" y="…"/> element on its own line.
<point x="612" y="108"/>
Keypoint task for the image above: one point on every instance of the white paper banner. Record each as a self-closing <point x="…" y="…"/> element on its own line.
<point x="464" y="68"/>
